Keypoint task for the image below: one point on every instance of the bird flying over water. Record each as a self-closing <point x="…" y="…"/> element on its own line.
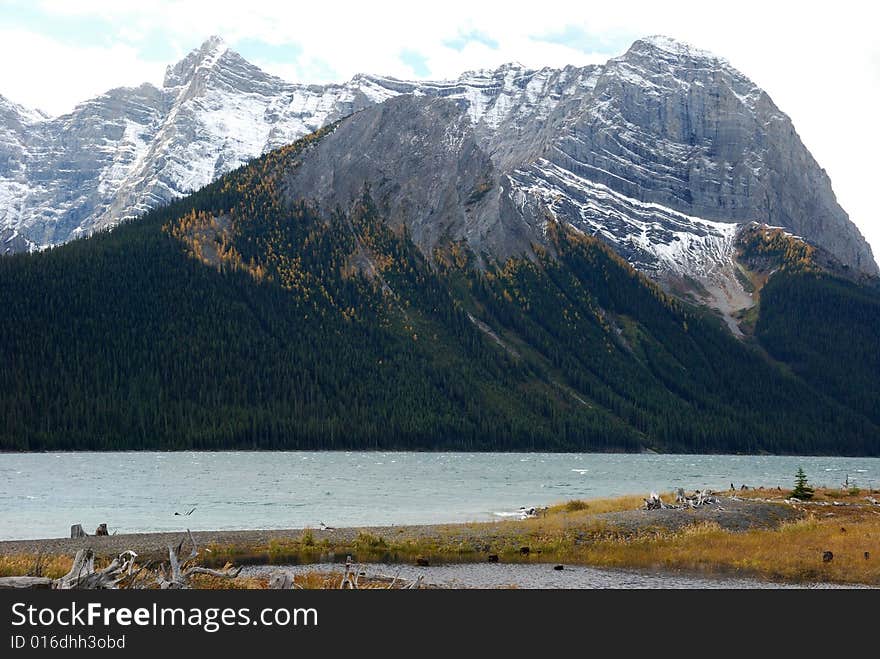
<point x="324" y="527"/>
<point x="187" y="514"/>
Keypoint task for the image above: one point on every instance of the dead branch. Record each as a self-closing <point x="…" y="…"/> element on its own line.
<point x="228" y="573"/>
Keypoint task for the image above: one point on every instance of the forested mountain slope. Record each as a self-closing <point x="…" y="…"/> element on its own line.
<point x="238" y="317"/>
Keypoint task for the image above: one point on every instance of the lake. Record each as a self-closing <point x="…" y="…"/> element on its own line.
<point x="42" y="494"/>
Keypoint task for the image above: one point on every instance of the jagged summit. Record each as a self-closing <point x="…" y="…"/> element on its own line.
<point x="659" y="42"/>
<point x="501" y="69"/>
<point x="204" y="57"/>
<point x="686" y="64"/>
<point x="214" y="42"/>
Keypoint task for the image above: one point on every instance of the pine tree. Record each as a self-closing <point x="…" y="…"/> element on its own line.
<point x="801" y="489"/>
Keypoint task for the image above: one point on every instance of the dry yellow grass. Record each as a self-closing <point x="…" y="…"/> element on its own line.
<point x="821" y="494"/>
<point x="318" y="580"/>
<point x="208" y="582"/>
<point x="35" y="566"/>
<point x="792" y="552"/>
<point x="600" y="506"/>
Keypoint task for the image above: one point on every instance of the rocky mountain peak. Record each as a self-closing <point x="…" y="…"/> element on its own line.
<point x="668" y="62"/>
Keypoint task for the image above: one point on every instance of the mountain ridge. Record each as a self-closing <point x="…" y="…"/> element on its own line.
<point x="138" y="147"/>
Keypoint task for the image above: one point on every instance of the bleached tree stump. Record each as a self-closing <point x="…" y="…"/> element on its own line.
<point x="281" y="581"/>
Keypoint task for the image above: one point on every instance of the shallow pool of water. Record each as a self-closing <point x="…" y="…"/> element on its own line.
<point x="533" y="575"/>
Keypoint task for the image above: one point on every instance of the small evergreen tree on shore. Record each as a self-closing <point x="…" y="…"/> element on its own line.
<point x="801" y="489"/>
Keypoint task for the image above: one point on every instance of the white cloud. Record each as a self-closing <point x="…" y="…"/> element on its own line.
<point x="819" y="61"/>
<point x="43" y="73"/>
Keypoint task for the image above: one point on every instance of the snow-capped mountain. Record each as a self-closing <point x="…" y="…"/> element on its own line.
<point x="663" y="152"/>
<point x="129" y="150"/>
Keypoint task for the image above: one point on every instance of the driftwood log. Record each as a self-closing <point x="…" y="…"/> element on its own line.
<point x="76" y="531"/>
<point x="654" y="502"/>
<point x="682" y="500"/>
<point x="25" y="582"/>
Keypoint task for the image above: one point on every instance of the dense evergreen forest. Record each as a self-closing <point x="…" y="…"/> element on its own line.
<point x="233" y="319"/>
<point x="828" y="330"/>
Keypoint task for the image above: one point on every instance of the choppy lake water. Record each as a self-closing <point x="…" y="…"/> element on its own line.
<point x="42" y="494"/>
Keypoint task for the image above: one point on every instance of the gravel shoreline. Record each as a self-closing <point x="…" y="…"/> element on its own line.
<point x="148" y="543"/>
<point x="731" y="514"/>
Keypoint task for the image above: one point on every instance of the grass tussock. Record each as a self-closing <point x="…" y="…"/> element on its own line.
<point x="369" y="542"/>
<point x="600" y="506"/>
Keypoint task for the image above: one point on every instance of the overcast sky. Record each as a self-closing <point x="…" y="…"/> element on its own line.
<point x="820" y="61"/>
